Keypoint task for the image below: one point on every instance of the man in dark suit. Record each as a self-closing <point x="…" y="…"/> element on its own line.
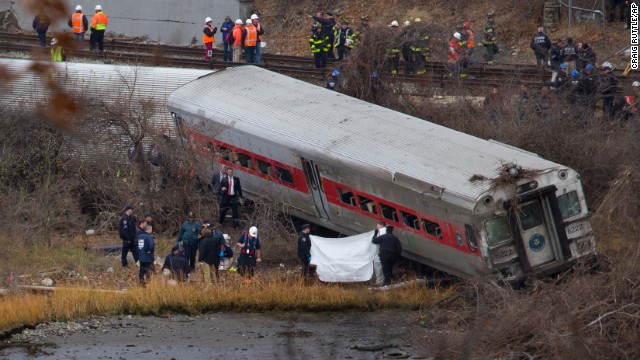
<point x="230" y="197"/>
<point x="215" y="180"/>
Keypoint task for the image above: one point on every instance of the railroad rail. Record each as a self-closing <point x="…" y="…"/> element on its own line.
<point x="482" y="76"/>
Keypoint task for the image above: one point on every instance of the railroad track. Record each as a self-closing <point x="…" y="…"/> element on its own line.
<point x="116" y="51"/>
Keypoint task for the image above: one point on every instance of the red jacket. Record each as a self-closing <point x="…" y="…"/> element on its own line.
<point x="454" y="51"/>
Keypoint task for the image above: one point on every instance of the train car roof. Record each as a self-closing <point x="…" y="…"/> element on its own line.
<point x="316" y="120"/>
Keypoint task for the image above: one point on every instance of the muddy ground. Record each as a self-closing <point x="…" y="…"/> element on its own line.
<point x="353" y="335"/>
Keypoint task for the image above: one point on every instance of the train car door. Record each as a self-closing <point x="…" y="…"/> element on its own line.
<point x="533" y="223"/>
<point x="314" y="180"/>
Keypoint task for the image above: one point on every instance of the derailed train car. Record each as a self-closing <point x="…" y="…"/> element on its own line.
<point x="460" y="204"/>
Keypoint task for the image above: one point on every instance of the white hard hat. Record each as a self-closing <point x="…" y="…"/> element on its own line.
<point x="249" y="21"/>
<point x="99" y="7"/>
<point x="417" y="20"/>
<point x="239" y="22"/>
<point x="54" y="41"/>
<point x="635" y="84"/>
<point x="253" y="231"/>
<point x="394" y="23"/>
<point x="254" y="17"/>
<point x="457" y="35"/>
<point x="407" y="23"/>
<point x="78" y="8"/>
<point x="607" y="64"/>
<point x="207" y="19"/>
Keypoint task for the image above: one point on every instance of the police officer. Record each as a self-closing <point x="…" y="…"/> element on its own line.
<point x="249" y="245"/>
<point x="128" y="234"/>
<point x="390" y="252"/>
<point x="189" y="235"/>
<point x="176" y="264"/>
<point x="333" y="81"/>
<point x="540" y="44"/>
<point x="146" y="248"/>
<point x="304" y="250"/>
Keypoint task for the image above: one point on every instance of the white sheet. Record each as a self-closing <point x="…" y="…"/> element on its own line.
<point x="348" y="259"/>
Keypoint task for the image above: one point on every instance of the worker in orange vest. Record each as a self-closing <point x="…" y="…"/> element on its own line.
<point x="99" y="24"/>
<point x="208" y="39"/>
<point x="235" y="39"/>
<point x="249" y="41"/>
<point x="79" y="25"/>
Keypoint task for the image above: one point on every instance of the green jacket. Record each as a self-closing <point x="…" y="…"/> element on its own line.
<point x="190" y="233"/>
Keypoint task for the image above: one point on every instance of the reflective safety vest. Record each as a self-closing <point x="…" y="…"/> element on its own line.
<point x="99" y="21"/>
<point x="206" y="38"/>
<point x="471" y="39"/>
<point x="252" y="36"/>
<point x="76" y="23"/>
<point x="56" y="53"/>
<point x="319" y="43"/>
<point x="631" y="104"/>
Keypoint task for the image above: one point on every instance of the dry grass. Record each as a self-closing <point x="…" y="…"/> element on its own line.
<point x="158" y="298"/>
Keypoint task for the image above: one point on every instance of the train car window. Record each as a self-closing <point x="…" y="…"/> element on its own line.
<point x="225" y="153"/>
<point x="471" y="237"/>
<point x="569" y="204"/>
<point x="319" y="178"/>
<point x="367" y="204"/>
<point x="211" y="148"/>
<point x="284" y="175"/>
<point x="432" y="228"/>
<point x="497" y="230"/>
<point x="389" y="212"/>
<point x="410" y="220"/>
<point x="346" y="197"/>
<point x="245" y="160"/>
<point x="265" y="167"/>
<point x="309" y="173"/>
<point x="530" y="215"/>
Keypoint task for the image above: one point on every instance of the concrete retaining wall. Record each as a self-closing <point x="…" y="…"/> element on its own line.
<point x="167" y="21"/>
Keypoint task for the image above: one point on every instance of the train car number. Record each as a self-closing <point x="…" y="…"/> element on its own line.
<point x="504" y="253"/>
<point x="575" y="228"/>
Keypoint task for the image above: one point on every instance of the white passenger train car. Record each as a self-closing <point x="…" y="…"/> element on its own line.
<point x="345" y="163"/>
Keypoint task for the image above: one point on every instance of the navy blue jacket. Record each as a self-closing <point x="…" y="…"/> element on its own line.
<point x="146" y="247"/>
<point x="226" y="28"/>
<point x="128" y="227"/>
<point x="209" y="248"/>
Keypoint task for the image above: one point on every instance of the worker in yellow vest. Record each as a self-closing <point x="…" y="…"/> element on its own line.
<point x="79" y="25"/>
<point x="57" y="53"/>
<point x="99" y="24"/>
<point x="208" y="38"/>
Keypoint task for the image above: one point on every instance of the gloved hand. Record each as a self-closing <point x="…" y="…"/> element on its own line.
<point x="221" y="253"/>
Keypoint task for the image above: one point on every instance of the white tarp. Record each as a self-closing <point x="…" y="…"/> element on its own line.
<point x="348" y="259"/>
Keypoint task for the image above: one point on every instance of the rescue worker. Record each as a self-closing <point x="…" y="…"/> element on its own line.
<point x="454" y="55"/>
<point x="344" y="39"/>
<point x="555" y="58"/>
<point x="540" y="44"/>
<point x="489" y="40"/>
<point x="146" y="249"/>
<point x="381" y="229"/>
<point x="249" y="41"/>
<point x="405" y="48"/>
<point x="210" y="249"/>
<point x="470" y="38"/>
<point x="560" y="84"/>
<point x="57" y="52"/>
<point x="586" y="55"/>
<point x="464" y="58"/>
<point x="390" y="252"/>
<point x="226" y="261"/>
<point x="79" y="25"/>
<point x="358" y="34"/>
<point x="333" y="82"/>
<point x="225" y="30"/>
<point x="586" y="89"/>
<point x="420" y="47"/>
<point x="236" y="41"/>
<point x="570" y="55"/>
<point x="189" y="236"/>
<point x="393" y="52"/>
<point x="260" y="31"/>
<point x="127" y="233"/>
<point x="41" y="26"/>
<point x="208" y="39"/>
<point x="304" y="250"/>
<point x="631" y="101"/>
<point x="249" y="245"/>
<point x="99" y="23"/>
<point x="319" y="44"/>
<point x="230" y="197"/>
<point x="176" y="264"/>
<point x="608" y="87"/>
<point x="327" y="23"/>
